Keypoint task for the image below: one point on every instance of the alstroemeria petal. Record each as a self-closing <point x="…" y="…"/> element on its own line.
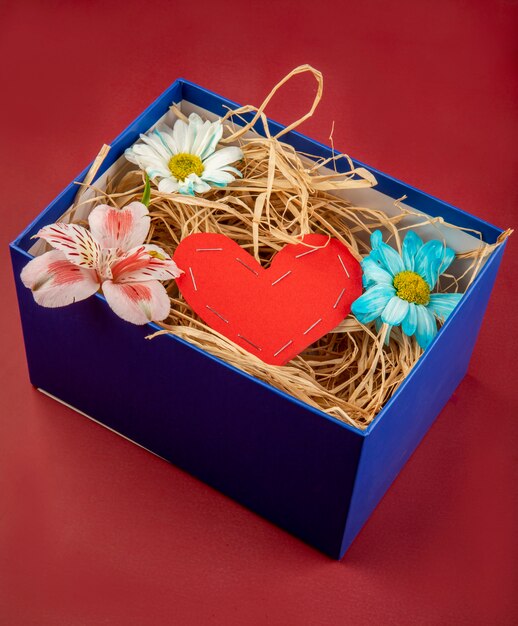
<point x="442" y="304"/>
<point x="370" y="305"/>
<point x="74" y="241"/>
<point x="395" y="311"/>
<point x="428" y="261"/>
<point x="138" y="303"/>
<point x="409" y="324"/>
<point x="375" y="273"/>
<point x="426" y="326"/>
<point x="120" y="228"/>
<point x="56" y="282"/>
<point x="148" y="262"/>
<point x="223" y="157"/>
<point x="411" y="246"/>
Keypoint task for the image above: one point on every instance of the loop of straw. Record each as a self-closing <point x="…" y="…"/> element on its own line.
<point x="349" y="373"/>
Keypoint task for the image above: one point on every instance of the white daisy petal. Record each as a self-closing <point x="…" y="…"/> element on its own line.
<point x="195" y="119"/>
<point x="145" y="156"/>
<point x="232" y="170"/>
<point x="165" y="135"/>
<point x="204" y="138"/>
<point x="155" y="141"/>
<point x="168" y="185"/>
<point x="187" y="186"/>
<point x="221" y="158"/>
<point x="218" y="177"/>
<point x="180" y="134"/>
<point x="213" y="138"/>
<point x="201" y="187"/>
<point x="192" y="130"/>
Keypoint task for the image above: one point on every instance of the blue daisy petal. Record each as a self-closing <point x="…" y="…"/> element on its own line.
<point x="376" y="239"/>
<point x="390" y="259"/>
<point x="428" y="261"/>
<point x="409" y="324"/>
<point x="447" y="258"/>
<point x="411" y="246"/>
<point x="442" y="304"/>
<point x="375" y="273"/>
<point x="370" y="305"/>
<point x="395" y="311"/>
<point x="426" y="326"/>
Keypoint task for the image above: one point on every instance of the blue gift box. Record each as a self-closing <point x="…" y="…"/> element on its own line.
<point x="310" y="473"/>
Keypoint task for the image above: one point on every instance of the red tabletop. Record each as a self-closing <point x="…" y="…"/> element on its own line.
<point x="94" y="530"/>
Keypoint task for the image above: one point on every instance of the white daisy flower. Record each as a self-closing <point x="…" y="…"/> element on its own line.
<point x="184" y="158"/>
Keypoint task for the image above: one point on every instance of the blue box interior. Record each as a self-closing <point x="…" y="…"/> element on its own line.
<point x="306" y="471"/>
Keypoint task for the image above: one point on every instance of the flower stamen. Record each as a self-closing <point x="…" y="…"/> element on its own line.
<point x="183" y="164"/>
<point x="412" y="287"/>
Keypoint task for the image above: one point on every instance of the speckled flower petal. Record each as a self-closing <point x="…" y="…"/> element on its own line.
<point x="138" y="303"/>
<point x="75" y="241"/>
<point x="55" y="281"/>
<point x="120" y="228"/>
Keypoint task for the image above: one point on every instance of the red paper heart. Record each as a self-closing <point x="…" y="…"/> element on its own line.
<point x="273" y="313"/>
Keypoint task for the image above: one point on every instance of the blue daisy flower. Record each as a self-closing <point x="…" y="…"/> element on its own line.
<point x="399" y="286"/>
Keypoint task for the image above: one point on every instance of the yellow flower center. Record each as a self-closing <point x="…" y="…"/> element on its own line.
<point x="412" y="287"/>
<point x="183" y="164"/>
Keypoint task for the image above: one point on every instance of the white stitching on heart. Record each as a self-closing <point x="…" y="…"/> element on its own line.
<point x="312" y="326"/>
<point x="216" y="313"/>
<point x="247" y="266"/>
<point x="283" y="276"/>
<point x="339" y="298"/>
<point x="297" y="256"/>
<point x="250" y="342"/>
<point x="256" y="273"/>
<point x="193" y="281"/>
<point x="283" y="347"/>
<point x="343" y="265"/>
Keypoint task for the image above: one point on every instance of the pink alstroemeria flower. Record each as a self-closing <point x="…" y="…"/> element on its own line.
<point x="111" y="256"/>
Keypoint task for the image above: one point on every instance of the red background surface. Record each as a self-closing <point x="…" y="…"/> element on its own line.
<point x="94" y="530"/>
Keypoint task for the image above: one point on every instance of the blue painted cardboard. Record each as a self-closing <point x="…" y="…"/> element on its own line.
<point x="304" y="470"/>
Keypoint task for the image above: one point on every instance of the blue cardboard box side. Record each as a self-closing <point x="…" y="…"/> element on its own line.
<point x="289" y="462"/>
<point x="407" y="417"/>
<point x="272" y="454"/>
